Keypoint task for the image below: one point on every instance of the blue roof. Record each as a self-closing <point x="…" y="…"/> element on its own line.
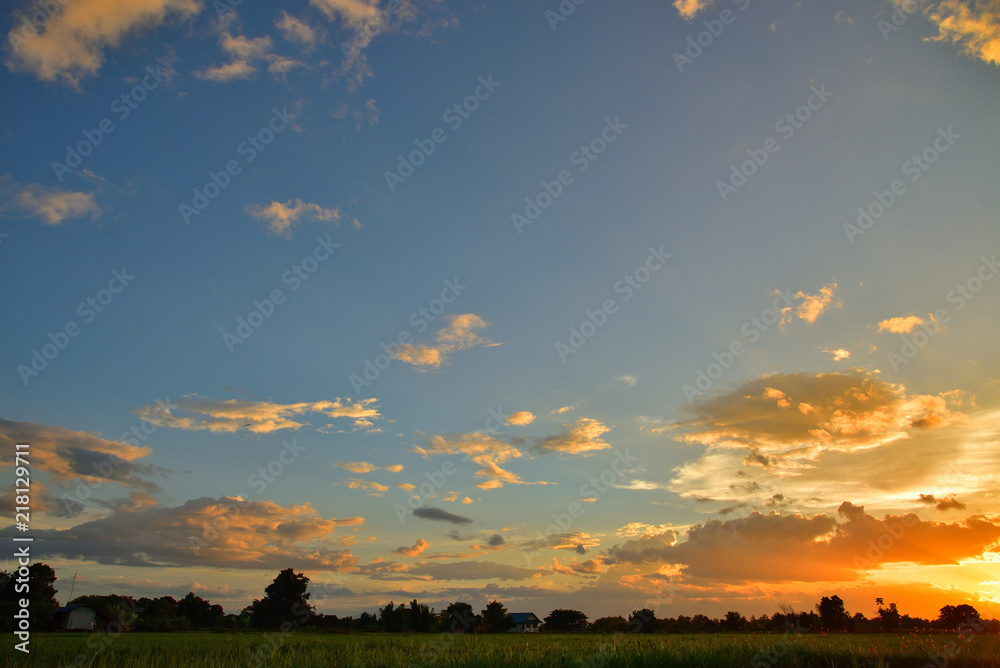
<point x="522" y="617"/>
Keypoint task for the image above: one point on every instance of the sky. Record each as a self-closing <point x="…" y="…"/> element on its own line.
<point x="683" y="305"/>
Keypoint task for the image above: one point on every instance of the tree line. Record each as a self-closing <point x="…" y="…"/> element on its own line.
<point x="285" y="606"/>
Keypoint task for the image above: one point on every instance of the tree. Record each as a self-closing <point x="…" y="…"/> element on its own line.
<point x="418" y="617"/>
<point x="565" y="620"/>
<point x="496" y="618"/>
<point x="459" y="617"/>
<point x="734" y="621"/>
<point x="609" y="625"/>
<point x="642" y="621"/>
<point x="199" y="612"/>
<point x="285" y="603"/>
<point x="392" y="618"/>
<point x="954" y="616"/>
<point x="41" y="595"/>
<point x="832" y="614"/>
<point x="888" y="616"/>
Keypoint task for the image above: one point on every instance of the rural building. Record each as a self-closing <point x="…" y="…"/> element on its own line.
<point x="525" y="622"/>
<point x="75" y="618"/>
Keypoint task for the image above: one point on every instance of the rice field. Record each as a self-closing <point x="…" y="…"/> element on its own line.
<point x="300" y="650"/>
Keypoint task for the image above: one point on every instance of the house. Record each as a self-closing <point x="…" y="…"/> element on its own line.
<point x="75" y="618"/>
<point x="525" y="622"/>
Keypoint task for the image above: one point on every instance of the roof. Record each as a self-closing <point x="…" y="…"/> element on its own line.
<point x="522" y="617"/>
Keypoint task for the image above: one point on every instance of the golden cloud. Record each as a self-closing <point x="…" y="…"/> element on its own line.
<point x="418" y="548"/>
<point x="282" y="217"/>
<point x="460" y="333"/>
<point x="228" y="532"/>
<point x="72" y="44"/>
<point x="259" y="417"/>
<point x="900" y="325"/>
<point x="521" y="418"/>
<point x="583" y="436"/>
<point x="811" y="306"/>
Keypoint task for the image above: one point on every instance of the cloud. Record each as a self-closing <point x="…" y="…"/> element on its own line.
<point x="900" y="325"/>
<point x="496" y="540"/>
<point x="259" y="417"/>
<point x="460" y="333"/>
<point x="689" y="8"/>
<point x="373" y="488"/>
<point x="51" y="205"/>
<point x="633" y="529"/>
<point x="803" y="414"/>
<point x="281" y="218"/>
<point x="785" y="548"/>
<point x="811" y="306"/>
<point x="417" y="548"/>
<point x="227" y="532"/>
<point x="584" y="436"/>
<point x="521" y="418"/>
<point x="590" y="567"/>
<point x="440" y="515"/>
<point x="564" y="409"/>
<point x="629" y="380"/>
<point x="948" y="503"/>
<point x="296" y="30"/>
<point x="489" y="452"/>
<point x="66" y="455"/>
<point x="72" y="44"/>
<point x="472" y="570"/>
<point x="353" y="13"/>
<point x="367" y="467"/>
<point x="974" y="26"/>
<point x="839" y="355"/>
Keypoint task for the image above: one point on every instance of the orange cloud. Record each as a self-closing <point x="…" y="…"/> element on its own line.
<point x="373" y="488"/>
<point x="584" y="436"/>
<point x="973" y="26"/>
<point x="521" y="418"/>
<point x="460" y="333"/>
<point x="259" y="417"/>
<point x="418" y="548"/>
<point x="228" y="532"/>
<point x="72" y="44"/>
<point x="900" y="325"/>
<point x="281" y="218"/>
<point x="485" y="450"/>
<point x="785" y="548"/>
<point x="811" y="307"/>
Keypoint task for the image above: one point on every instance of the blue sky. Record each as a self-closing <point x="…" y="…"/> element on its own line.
<point x="854" y="365"/>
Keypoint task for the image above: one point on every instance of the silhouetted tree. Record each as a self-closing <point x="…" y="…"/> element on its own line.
<point x="41" y="595"/>
<point x="285" y="603"/>
<point x="889" y="616"/>
<point x="832" y="614"/>
<point x="459" y="617"/>
<point x="642" y="621"/>
<point x="199" y="612"/>
<point x="734" y="621"/>
<point x="496" y="618"/>
<point x="565" y="620"/>
<point x="954" y="616"/>
<point x="609" y="625"/>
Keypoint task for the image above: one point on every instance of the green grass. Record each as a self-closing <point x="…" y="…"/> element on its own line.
<point x="301" y="650"/>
